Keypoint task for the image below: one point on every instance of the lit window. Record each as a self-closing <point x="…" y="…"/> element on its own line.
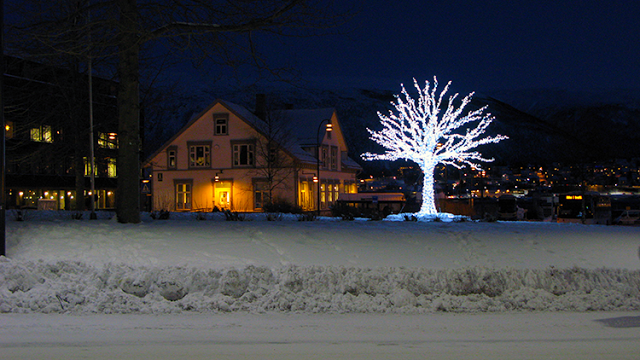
<point x="336" y="191"/>
<point x="107" y="140"/>
<point x="172" y="158"/>
<point x="42" y="133"/>
<point x="199" y="156"/>
<point x="261" y="194"/>
<point x="243" y="155"/>
<point x="323" y="196"/>
<point x="183" y="195"/>
<point x="111" y="168"/>
<point x="87" y="167"/>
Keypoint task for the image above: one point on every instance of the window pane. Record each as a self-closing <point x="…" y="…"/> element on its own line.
<point x="199" y="156"/>
<point x="111" y="168"/>
<point x="243" y="155"/>
<point x="35" y="134"/>
<point x="47" y="134"/>
<point x="221" y="126"/>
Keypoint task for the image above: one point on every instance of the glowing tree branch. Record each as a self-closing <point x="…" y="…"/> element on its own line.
<point x="419" y="131"/>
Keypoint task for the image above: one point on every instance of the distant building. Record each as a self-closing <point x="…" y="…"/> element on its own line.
<point x="47" y="137"/>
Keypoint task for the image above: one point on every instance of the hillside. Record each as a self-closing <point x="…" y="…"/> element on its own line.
<point x="544" y="126"/>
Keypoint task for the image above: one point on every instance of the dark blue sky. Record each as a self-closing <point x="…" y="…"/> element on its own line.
<point x="479" y="45"/>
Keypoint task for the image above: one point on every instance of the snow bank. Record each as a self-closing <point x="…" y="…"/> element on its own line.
<point x="75" y="287"/>
<point x="59" y="265"/>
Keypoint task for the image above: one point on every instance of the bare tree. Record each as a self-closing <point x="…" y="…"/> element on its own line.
<point x="274" y="161"/>
<point x="222" y="31"/>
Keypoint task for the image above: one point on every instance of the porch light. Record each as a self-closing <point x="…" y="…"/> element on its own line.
<point x="315" y="179"/>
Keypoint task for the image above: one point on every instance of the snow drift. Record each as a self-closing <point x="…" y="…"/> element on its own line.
<point x="75" y="287"/>
<point x="79" y="267"/>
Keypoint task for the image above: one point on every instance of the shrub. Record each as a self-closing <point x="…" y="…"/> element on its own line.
<point x="281" y="206"/>
<point x="344" y="211"/>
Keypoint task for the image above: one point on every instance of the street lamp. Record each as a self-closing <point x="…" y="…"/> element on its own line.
<point x="328" y="128"/>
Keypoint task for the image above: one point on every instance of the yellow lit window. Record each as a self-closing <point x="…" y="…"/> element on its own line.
<point x="107" y="140"/>
<point x="42" y="133"/>
<point x="111" y="168"/>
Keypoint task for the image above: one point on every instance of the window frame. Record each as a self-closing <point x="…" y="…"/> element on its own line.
<point x="261" y="187"/>
<point x="173" y="149"/>
<point x="39" y="134"/>
<point x="105" y="140"/>
<point x="193" y="145"/>
<point x="236" y="153"/>
<point x="187" y="194"/>
<point x="223" y="130"/>
<point x="334" y="157"/>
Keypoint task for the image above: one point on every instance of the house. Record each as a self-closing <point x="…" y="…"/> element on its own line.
<point x="47" y="134"/>
<point x="227" y="157"/>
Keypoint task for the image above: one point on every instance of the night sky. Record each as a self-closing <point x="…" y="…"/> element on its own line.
<point x="479" y="45"/>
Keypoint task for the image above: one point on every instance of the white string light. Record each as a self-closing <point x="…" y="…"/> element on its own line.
<point x="420" y="132"/>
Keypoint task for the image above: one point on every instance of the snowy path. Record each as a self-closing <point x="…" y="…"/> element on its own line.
<point x="610" y="335"/>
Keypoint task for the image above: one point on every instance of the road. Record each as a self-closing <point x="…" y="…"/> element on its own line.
<point x="610" y="335"/>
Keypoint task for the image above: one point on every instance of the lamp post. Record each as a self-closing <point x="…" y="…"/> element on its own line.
<point x="328" y="128"/>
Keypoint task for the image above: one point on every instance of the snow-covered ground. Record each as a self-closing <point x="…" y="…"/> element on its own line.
<point x="339" y="289"/>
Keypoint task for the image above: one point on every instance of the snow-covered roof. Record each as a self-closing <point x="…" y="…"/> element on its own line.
<point x="306" y="122"/>
<point x="302" y="125"/>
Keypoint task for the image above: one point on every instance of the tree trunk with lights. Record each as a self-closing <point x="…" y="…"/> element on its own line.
<point x="428" y="206"/>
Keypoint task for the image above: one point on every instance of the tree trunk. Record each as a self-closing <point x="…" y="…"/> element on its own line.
<point x="428" y="194"/>
<point x="128" y="196"/>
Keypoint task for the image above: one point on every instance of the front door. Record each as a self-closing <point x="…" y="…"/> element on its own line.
<point x="222" y="195"/>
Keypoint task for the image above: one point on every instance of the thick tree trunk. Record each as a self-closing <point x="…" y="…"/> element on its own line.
<point x="128" y="196"/>
<point x="428" y="194"/>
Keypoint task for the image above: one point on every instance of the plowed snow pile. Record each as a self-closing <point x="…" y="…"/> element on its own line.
<point x="56" y="264"/>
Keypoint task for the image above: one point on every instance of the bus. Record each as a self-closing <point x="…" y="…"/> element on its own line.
<point x="588" y="208"/>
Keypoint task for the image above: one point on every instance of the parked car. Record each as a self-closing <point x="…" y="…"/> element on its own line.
<point x="628" y="217"/>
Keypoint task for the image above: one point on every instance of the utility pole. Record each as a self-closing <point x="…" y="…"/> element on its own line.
<point x="3" y="250"/>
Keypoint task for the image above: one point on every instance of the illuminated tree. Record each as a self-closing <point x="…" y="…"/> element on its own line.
<point x="419" y="131"/>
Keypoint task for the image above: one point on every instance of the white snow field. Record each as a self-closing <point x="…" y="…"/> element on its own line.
<point x="327" y="289"/>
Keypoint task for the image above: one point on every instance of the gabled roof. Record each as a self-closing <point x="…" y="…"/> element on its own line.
<point x="306" y="122"/>
<point x="303" y="125"/>
<point x="232" y="107"/>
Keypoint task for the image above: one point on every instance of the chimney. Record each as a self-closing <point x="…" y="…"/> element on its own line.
<point x="261" y="106"/>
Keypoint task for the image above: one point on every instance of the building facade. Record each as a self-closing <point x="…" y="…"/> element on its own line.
<point x="48" y="158"/>
<point x="227" y="158"/>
